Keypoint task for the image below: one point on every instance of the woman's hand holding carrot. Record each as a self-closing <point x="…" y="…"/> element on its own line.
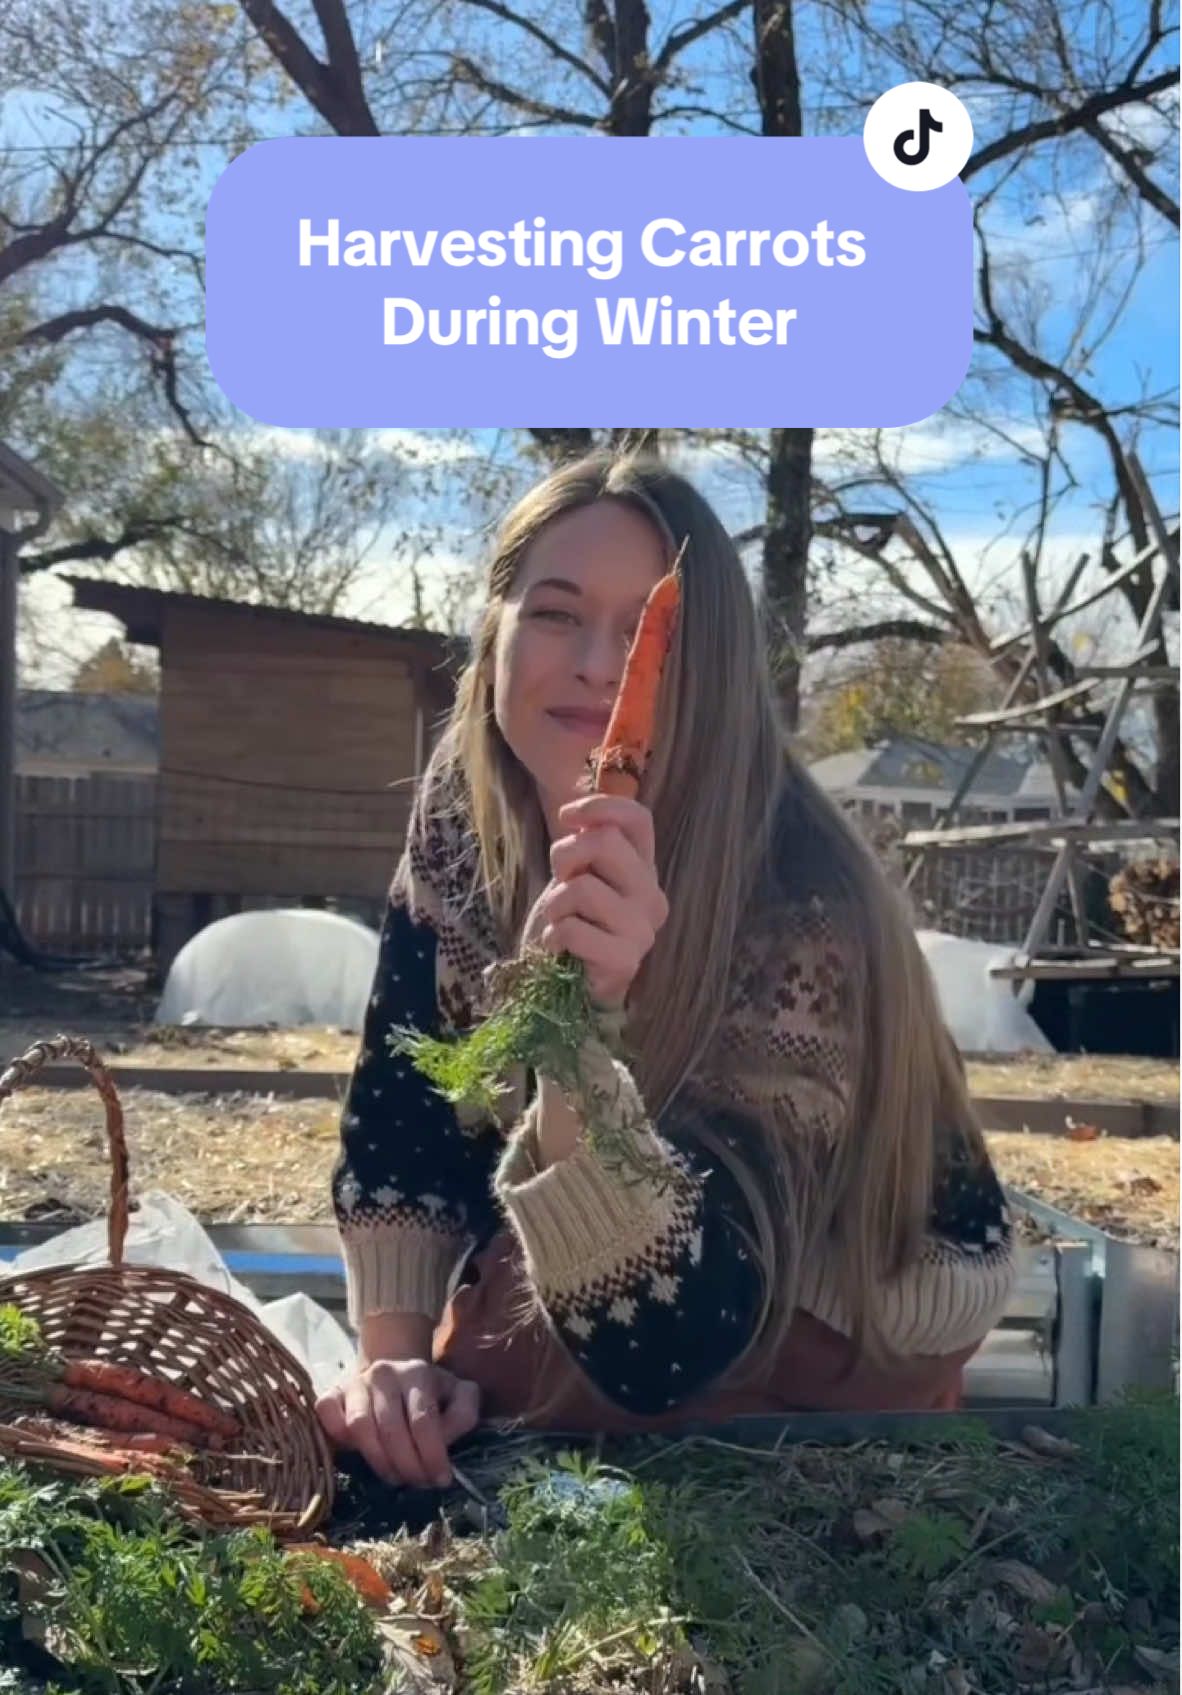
<point x="603" y="904"/>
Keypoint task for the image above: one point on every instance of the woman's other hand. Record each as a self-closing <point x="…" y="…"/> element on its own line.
<point x="402" y="1416"/>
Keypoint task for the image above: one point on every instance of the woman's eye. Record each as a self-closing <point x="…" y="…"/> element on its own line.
<point x="557" y="612"/>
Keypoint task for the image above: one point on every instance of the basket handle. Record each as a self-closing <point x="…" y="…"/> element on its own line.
<point x="23" y="1070"/>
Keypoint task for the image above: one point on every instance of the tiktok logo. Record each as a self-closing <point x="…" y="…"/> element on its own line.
<point x="918" y="136"/>
<point x="905" y="154"/>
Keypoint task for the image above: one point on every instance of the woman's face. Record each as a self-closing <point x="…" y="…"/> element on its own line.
<point x="565" y="630"/>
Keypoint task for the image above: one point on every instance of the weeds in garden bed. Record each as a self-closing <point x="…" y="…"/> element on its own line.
<point x="128" y="1600"/>
<point x="958" y="1566"/>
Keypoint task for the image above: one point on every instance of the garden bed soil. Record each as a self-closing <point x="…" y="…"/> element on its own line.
<point x="236" y="1159"/>
<point x="957" y="1563"/>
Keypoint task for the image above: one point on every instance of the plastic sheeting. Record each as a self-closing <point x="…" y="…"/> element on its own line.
<point x="982" y="1012"/>
<point x="164" y="1233"/>
<point x="282" y="968"/>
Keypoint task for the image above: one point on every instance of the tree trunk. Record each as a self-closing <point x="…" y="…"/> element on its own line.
<point x="788" y="530"/>
<point x="785" y="560"/>
<point x="624" y="36"/>
<point x="632" y="85"/>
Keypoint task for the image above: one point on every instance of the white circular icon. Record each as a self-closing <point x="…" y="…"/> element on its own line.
<point x="918" y="136"/>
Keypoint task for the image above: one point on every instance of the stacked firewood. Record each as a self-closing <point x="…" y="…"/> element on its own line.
<point x="1144" y="897"/>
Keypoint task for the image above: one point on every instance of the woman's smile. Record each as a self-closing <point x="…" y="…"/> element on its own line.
<point x="580" y="720"/>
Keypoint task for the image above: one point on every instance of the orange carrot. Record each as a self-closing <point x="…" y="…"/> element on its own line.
<point x="629" y="739"/>
<point x="110" y="1414"/>
<point x="127" y="1384"/>
<point x="368" y="1582"/>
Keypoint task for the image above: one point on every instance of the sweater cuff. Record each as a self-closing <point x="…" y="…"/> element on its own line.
<point x="407" y="1269"/>
<point x="582" y="1218"/>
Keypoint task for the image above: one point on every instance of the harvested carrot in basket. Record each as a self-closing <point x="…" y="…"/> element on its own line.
<point x="23" y="1348"/>
<point x="106" y="1412"/>
<point x="124" y="1381"/>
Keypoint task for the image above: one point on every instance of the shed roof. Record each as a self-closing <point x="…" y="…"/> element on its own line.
<point x="141" y="612"/>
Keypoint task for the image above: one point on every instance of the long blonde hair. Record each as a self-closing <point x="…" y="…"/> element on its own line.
<point x="746" y="822"/>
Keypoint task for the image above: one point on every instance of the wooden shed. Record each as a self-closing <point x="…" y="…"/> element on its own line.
<point x="289" y="743"/>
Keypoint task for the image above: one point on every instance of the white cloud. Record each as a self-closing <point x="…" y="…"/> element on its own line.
<point x="1145" y="124"/>
<point x="938" y="444"/>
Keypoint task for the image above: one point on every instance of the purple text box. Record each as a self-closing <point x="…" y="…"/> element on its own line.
<point x="510" y="264"/>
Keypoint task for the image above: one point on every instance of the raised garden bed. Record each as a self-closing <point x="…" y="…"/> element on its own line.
<point x="264" y="1159"/>
<point x="871" y="1556"/>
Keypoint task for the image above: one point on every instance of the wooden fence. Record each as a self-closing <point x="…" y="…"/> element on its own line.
<point x="86" y="862"/>
<point x="988" y="894"/>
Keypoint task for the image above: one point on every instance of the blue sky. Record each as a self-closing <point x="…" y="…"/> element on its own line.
<point x="1046" y="235"/>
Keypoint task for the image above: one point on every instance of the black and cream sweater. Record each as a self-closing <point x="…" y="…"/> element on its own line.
<point x="652" y="1286"/>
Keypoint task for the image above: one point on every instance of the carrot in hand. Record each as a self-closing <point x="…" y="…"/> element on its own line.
<point x="628" y="742"/>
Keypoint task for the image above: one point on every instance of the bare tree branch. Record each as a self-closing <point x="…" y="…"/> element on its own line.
<point x="1130" y="164"/>
<point x="338" y="97"/>
<point x="1105" y="100"/>
<point x="1069" y="396"/>
<point x="89" y="548"/>
<point x="553" y="47"/>
<point x="603" y="31"/>
<point x="908" y="629"/>
<point x="343" y="60"/>
<point x="467" y="70"/>
<point x="680" y="39"/>
<point x="159" y="340"/>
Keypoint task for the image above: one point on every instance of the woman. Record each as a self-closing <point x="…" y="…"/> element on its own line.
<point x="816" y="1223"/>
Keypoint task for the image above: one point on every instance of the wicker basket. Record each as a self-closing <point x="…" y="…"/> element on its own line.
<point x="280" y="1472"/>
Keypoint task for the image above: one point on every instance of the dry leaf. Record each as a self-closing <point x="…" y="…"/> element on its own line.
<point x="418" y="1659"/>
<point x="851" y="1621"/>
<point x="1038" y="1654"/>
<point x="1022" y="1579"/>
<point x="893" y="1510"/>
<point x="430" y="1597"/>
<point x="1157" y="1660"/>
<point x="885" y="1515"/>
<point x="810" y="1668"/>
<point x="868" y="1524"/>
<point x="690" y="1671"/>
<point x="1053" y="1447"/>
<point x="34" y="1581"/>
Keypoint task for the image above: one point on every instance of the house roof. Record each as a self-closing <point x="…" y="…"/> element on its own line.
<point x="141" y="612"/>
<point x="89" y="730"/>
<point x="910" y="762"/>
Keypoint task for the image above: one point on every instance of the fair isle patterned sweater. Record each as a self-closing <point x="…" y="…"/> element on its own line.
<point x="652" y="1286"/>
